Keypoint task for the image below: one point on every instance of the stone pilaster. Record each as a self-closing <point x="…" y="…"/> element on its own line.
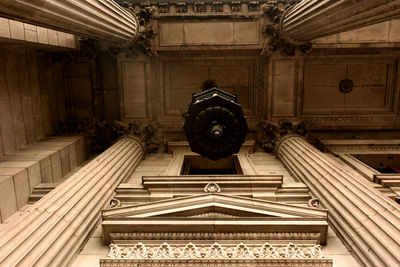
<point x="313" y="19"/>
<point x="52" y="231"/>
<point x="100" y="19"/>
<point x="367" y="221"/>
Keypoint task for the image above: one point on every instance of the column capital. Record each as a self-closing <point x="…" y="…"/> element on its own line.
<point x="274" y="133"/>
<point x="147" y="134"/>
<point x="275" y="37"/>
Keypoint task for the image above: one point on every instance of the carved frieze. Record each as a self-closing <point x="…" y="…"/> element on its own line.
<point x="214" y="251"/>
<point x="163" y="7"/>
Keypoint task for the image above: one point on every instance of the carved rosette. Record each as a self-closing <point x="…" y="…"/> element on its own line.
<point x="275" y="132"/>
<point x="276" y="40"/>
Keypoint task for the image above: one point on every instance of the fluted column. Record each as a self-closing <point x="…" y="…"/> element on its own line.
<point x="368" y="221"/>
<point x="97" y="19"/>
<point x="311" y="19"/>
<point x="52" y="231"/>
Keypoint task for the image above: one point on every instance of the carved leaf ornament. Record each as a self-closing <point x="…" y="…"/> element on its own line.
<point x="214" y="251"/>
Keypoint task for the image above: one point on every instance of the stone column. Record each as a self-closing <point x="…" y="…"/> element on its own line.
<point x="311" y="19"/>
<point x="367" y="221"/>
<point x="52" y="231"/>
<point x="97" y="19"/>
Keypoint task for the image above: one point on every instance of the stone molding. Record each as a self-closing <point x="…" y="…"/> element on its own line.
<point x="364" y="146"/>
<point x="245" y="216"/>
<point x="304" y="237"/>
<point x="272" y="262"/>
<point x="391" y="182"/>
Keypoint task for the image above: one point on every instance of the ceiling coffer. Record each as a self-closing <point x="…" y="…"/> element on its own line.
<point x="214" y="124"/>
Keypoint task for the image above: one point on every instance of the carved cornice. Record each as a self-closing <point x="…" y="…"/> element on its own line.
<point x="215" y="236"/>
<point x="275" y="132"/>
<point x="275" y="39"/>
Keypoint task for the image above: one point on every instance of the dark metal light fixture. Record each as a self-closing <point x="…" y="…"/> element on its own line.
<point x="214" y="124"/>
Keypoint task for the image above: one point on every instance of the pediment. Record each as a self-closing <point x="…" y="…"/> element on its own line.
<point x="218" y="204"/>
<point x="212" y="213"/>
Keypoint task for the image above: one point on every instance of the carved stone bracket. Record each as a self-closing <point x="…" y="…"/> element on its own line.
<point x="217" y="6"/>
<point x="199" y="7"/>
<point x="236" y="6"/>
<point x="275" y="132"/>
<point x="147" y="133"/>
<point x="275" y="39"/>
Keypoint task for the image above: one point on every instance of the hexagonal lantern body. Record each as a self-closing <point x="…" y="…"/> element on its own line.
<point x="214" y="124"/>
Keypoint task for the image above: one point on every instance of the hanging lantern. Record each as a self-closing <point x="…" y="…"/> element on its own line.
<point x="214" y="124"/>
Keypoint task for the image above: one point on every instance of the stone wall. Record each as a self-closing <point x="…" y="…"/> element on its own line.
<point x="33" y="97"/>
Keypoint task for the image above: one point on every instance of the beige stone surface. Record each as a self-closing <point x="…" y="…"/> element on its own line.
<point x="8" y="202"/>
<point x="68" y="207"/>
<point x="38" y="90"/>
<point x="209" y="33"/>
<point x="16" y="30"/>
<point x="36" y="163"/>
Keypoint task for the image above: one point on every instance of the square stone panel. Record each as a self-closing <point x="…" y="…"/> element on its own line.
<point x="373" y="89"/>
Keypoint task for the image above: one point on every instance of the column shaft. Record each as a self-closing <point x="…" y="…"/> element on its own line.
<point x="52" y="231"/>
<point x="311" y="19"/>
<point x="99" y="19"/>
<point x="367" y="221"/>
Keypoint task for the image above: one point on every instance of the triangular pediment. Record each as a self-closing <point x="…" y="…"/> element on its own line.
<point x="214" y="205"/>
<point x="212" y="213"/>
